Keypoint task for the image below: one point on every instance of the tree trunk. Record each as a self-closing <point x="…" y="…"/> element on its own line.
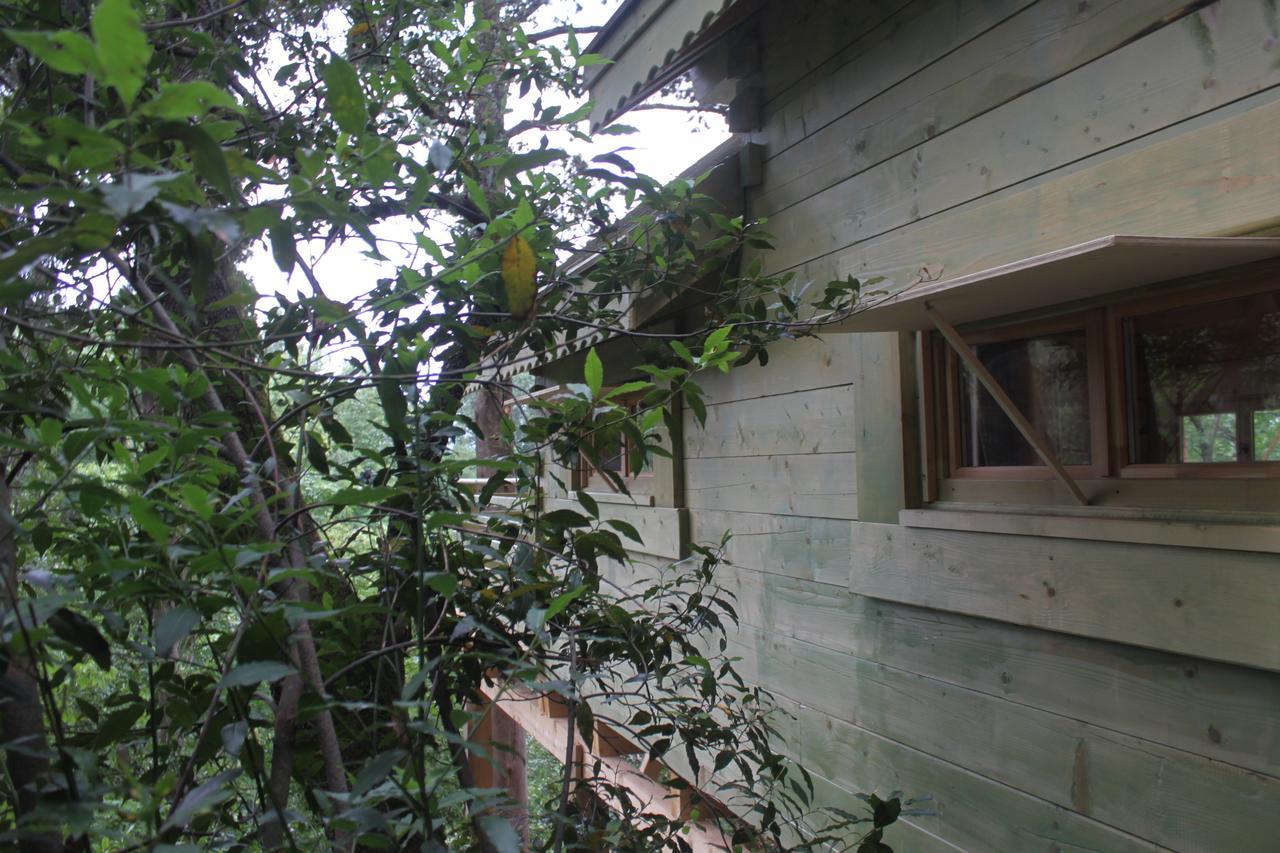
<point x="21" y="711"/>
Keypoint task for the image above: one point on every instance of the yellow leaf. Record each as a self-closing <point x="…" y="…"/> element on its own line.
<point x="520" y="275"/>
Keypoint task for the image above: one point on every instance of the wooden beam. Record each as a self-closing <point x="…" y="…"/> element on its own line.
<point x="530" y="711"/>
<point x="608" y="741"/>
<point x="1033" y="436"/>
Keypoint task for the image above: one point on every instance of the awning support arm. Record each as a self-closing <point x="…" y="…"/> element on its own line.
<point x="1029" y="432"/>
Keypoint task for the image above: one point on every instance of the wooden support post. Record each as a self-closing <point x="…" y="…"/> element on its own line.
<point x="1033" y="436"/>
<point x="501" y="762"/>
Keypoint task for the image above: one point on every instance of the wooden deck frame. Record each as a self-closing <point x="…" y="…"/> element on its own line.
<point x="545" y="717"/>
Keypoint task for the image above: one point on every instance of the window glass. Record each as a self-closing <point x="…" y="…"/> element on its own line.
<point x="1203" y="382"/>
<point x="1047" y="377"/>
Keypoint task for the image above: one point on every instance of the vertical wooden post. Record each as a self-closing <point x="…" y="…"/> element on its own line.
<point x="502" y="764"/>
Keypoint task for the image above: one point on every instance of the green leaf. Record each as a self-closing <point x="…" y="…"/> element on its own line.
<point x="233" y="737"/>
<point x="255" y="671"/>
<point x="123" y="51"/>
<point x="50" y="431"/>
<point x="172" y="627"/>
<point x="145" y="516"/>
<point x="355" y="496"/>
<point x="344" y="95"/>
<point x="201" y="799"/>
<point x="560" y="602"/>
<point x="716" y="341"/>
<point x="374" y="771"/>
<point x="588" y="503"/>
<point x="66" y="50"/>
<point x="14" y="293"/>
<point x="283" y="249"/>
<point x="443" y="583"/>
<point x="83" y="634"/>
<point x="626" y="529"/>
<point x="209" y="159"/>
<point x="134" y="191"/>
<point x="178" y="101"/>
<point x="517" y="163"/>
<point x="593" y="372"/>
<point x="625" y="388"/>
<point x="198" y="500"/>
<point x="502" y="836"/>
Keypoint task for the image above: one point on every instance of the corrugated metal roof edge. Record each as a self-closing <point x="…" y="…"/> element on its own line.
<point x="658" y="74"/>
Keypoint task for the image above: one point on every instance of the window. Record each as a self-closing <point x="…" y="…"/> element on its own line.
<point x="1180" y="387"/>
<point x="622" y="459"/>
<point x="1203" y="383"/>
<point x="1045" y="369"/>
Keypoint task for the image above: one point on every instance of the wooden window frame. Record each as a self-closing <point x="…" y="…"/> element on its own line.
<point x="1092" y="324"/>
<point x="1119" y="421"/>
<point x="946" y="480"/>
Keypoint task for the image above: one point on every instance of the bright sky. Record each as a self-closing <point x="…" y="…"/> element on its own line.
<point x="666" y="143"/>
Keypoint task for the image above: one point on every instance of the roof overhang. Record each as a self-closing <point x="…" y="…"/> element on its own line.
<point x="1079" y="273"/>
<point x="651" y="42"/>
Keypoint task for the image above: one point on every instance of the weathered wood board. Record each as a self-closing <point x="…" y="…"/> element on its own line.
<point x="819" y="485"/>
<point x="1186" y="801"/>
<point x="1025" y="51"/>
<point x="1120" y="97"/>
<point x="804" y="364"/>
<point x="814" y="421"/>
<point x="1212" y="177"/>
<point x="961" y="802"/>
<point x="1220" y="605"/>
<point x="1223" y="712"/>
<point x="811" y="548"/>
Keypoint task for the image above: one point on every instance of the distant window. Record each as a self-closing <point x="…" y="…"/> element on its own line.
<point x="620" y="459"/>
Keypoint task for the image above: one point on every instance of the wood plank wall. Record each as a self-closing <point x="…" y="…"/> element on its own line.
<point x="949" y="136"/>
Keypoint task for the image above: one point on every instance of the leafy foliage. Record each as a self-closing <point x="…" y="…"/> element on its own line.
<point x="249" y="597"/>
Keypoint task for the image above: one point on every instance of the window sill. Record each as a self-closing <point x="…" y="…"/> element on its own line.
<point x="1257" y="532"/>
<point x="611" y="497"/>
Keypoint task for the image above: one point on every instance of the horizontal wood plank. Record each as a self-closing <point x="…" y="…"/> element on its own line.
<point x="1223" y="712"/>
<point x="905" y="834"/>
<point x="1025" y="51"/>
<point x="800" y="38"/>
<point x="1120" y="97"/>
<point x="818" y="421"/>
<point x="815" y="549"/>
<point x="1215" y="176"/>
<point x="922" y="34"/>
<point x="1170" y="797"/>
<point x="820" y="485"/>
<point x="1221" y="605"/>
<point x="796" y="365"/>
<point x="961" y="802"/>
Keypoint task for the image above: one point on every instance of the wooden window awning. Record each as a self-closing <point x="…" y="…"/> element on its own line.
<point x="1087" y="271"/>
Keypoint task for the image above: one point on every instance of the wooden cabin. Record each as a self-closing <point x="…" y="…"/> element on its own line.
<point x="1007" y="537"/>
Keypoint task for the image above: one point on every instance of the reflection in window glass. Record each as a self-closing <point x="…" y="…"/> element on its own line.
<point x="1047" y="379"/>
<point x="1209" y="438"/>
<point x="1197" y="373"/>
<point x="1266" y="436"/>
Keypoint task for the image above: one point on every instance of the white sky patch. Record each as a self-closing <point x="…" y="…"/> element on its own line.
<point x="665" y="144"/>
